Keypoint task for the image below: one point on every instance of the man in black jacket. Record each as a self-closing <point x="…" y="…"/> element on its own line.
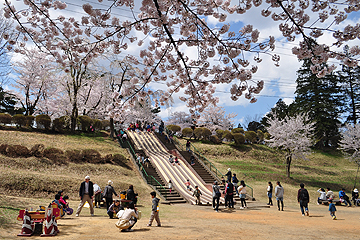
<point x="86" y="194"/>
<point x="303" y="199"/>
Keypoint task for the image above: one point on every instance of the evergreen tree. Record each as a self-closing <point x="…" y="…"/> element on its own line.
<point x="350" y="77"/>
<point x="8" y="102"/>
<point x="322" y="100"/>
<point x="280" y="111"/>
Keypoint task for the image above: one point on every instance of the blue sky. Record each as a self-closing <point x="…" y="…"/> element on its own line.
<point x="279" y="81"/>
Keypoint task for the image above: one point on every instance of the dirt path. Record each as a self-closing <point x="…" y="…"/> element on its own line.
<point x="193" y="222"/>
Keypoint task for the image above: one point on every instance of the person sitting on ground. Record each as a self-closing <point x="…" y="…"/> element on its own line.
<point x="67" y="209"/>
<point x="192" y="160"/>
<point x="344" y="198"/>
<point x="322" y="196"/>
<point x="330" y="194"/>
<point x="177" y="161"/>
<point x="128" y="219"/>
<point x="197" y="193"/>
<point x="171" y="159"/>
<point x="131" y="195"/>
<point x="114" y="209"/>
<point x="57" y="201"/>
<point x="355" y="197"/>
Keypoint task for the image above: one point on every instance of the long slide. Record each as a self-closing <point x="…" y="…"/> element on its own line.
<point x="178" y="174"/>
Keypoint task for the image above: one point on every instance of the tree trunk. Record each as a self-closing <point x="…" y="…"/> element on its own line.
<point x="112" y="132"/>
<point x="288" y="163"/>
<point x="74" y="116"/>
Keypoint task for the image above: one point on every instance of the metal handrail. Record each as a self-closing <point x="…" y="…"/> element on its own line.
<point x="149" y="178"/>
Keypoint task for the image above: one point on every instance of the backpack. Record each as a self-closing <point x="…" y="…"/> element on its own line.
<point x="304" y="195"/>
<point x="230" y="188"/>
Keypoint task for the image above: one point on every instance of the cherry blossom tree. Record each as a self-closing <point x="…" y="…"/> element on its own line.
<point x="350" y="142"/>
<point x="293" y="135"/>
<point x="182" y="119"/>
<point x="35" y="79"/>
<point x="214" y="118"/>
<point x="221" y="55"/>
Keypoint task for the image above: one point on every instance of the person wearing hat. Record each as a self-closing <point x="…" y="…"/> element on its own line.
<point x="229" y="175"/>
<point x="108" y="194"/>
<point x="86" y="194"/>
<point x="355" y="197"/>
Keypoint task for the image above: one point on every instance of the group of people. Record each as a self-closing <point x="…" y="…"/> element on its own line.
<point x="231" y="188"/>
<point x="61" y="202"/>
<point x="127" y="217"/>
<point x="343" y="197"/>
<point x="144" y="160"/>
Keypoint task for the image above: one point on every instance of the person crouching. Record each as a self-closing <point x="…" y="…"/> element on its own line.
<point x="128" y="218"/>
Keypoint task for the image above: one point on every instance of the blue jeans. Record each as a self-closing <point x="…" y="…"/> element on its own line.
<point x="303" y="204"/>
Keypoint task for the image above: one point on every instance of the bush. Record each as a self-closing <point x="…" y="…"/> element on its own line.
<point x="74" y="156"/>
<point x="85" y="122"/>
<point x="15" y="150"/>
<point x="250" y="136"/>
<point x="37" y="150"/>
<point x="108" y="158"/>
<point x="187" y="132"/>
<point x="56" y="155"/>
<point x="227" y="134"/>
<point x="91" y="156"/>
<point x="67" y="121"/>
<point x="5" y="118"/>
<point x="239" y="138"/>
<point x="173" y="128"/>
<point x="202" y="133"/>
<point x="105" y="124"/>
<point x="267" y="136"/>
<point x="120" y="160"/>
<point x="215" y="139"/>
<point x="19" y="120"/>
<point x="43" y="121"/>
<point x="3" y="148"/>
<point x="97" y="125"/>
<point x="30" y="120"/>
<point x="260" y="136"/>
<point x="59" y="124"/>
<point x="219" y="134"/>
<point x="237" y="130"/>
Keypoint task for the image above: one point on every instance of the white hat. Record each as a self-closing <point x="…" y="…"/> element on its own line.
<point x="110" y="182"/>
<point x="87" y="177"/>
<point x="355" y="190"/>
<point x="229" y="169"/>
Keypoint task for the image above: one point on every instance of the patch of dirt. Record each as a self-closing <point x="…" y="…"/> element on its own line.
<point x="201" y="222"/>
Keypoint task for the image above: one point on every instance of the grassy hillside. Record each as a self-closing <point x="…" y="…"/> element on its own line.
<point x="258" y="164"/>
<point x="41" y="177"/>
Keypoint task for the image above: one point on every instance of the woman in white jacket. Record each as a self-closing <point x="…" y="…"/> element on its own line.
<point x="279" y="194"/>
<point x="242" y="194"/>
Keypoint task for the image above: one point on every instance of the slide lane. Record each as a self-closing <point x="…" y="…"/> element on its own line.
<point x="178" y="174"/>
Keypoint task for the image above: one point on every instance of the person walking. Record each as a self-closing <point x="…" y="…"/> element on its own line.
<point x="304" y="199"/>
<point x="108" y="194"/>
<point x="269" y="193"/>
<point x="235" y="182"/>
<point x="154" y="210"/>
<point x="197" y="193"/>
<point x="97" y="193"/>
<point x="279" y="194"/>
<point x="188" y="145"/>
<point x="216" y="194"/>
<point x="332" y="209"/>
<point x="242" y="194"/>
<point x="228" y="175"/>
<point x="86" y="193"/>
